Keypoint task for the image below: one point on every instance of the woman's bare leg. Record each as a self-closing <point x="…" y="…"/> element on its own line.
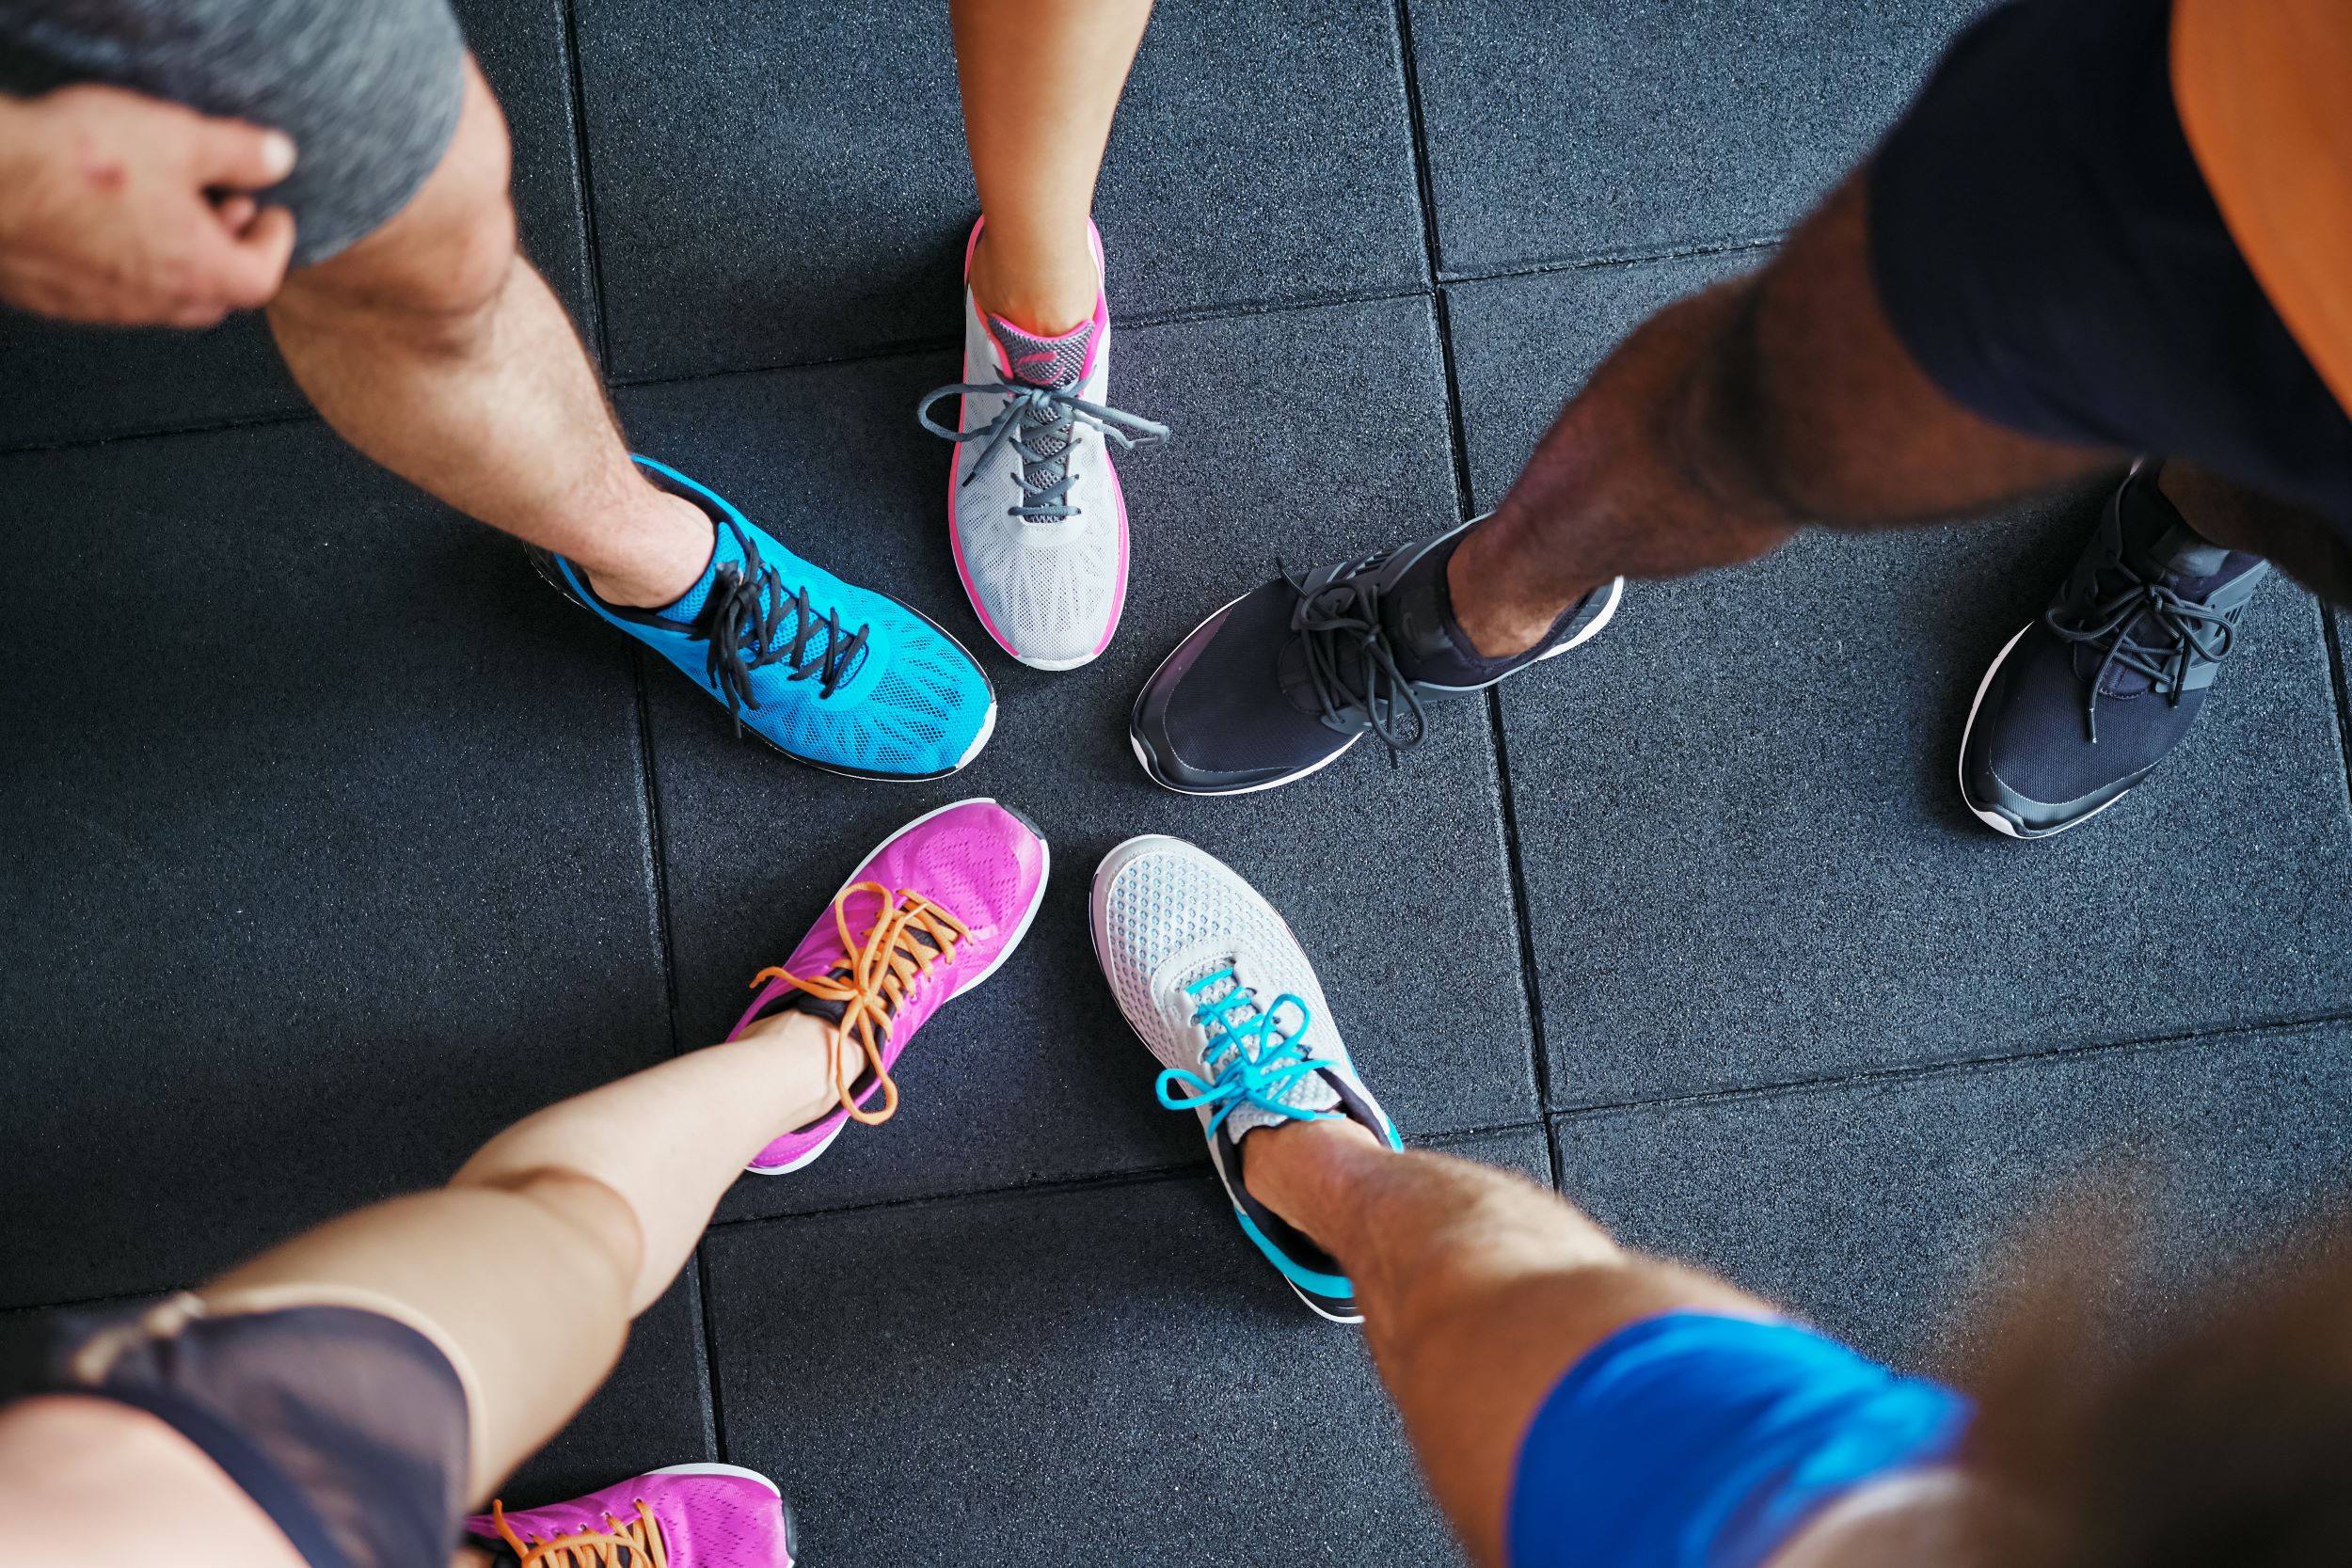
<point x="1040" y="81"/>
<point x="534" y="1257"/>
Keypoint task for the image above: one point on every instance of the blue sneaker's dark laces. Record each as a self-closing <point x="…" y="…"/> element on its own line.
<point x="742" y="618"/>
<point x="1340" y="631"/>
<point x="2185" y="633"/>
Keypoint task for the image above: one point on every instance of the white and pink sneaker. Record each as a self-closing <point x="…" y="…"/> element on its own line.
<point x="1033" y="508"/>
<point x="930" y="915"/>
<point x="685" y="1516"/>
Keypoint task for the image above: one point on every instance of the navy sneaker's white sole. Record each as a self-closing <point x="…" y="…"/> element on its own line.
<point x="1134" y="742"/>
<point x="1993" y="820"/>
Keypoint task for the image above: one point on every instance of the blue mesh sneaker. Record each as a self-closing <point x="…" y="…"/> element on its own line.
<point x="831" y="674"/>
<point x="1212" y="979"/>
<point x="2085" y="700"/>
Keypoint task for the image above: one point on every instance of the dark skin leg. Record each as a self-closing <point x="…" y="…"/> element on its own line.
<point x="2297" y="543"/>
<point x="1730" y="419"/>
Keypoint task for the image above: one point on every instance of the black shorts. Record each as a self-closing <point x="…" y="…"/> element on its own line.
<point x="341" y="1414"/>
<point x="2046" y="247"/>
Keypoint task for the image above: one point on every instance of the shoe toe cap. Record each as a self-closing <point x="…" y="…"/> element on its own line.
<point x="1213" y="720"/>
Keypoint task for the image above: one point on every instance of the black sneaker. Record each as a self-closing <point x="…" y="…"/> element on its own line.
<point x="2084" y="702"/>
<point x="1283" y="680"/>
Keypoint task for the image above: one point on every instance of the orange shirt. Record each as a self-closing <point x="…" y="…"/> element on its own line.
<point x="2264" y="93"/>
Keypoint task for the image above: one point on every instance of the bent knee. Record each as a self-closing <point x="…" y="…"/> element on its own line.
<point x="606" y="1223"/>
<point x="445" y="258"/>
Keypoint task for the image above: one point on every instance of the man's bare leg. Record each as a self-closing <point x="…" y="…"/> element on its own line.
<point x="1727" y="421"/>
<point x="1478" y="1289"/>
<point x="436" y="349"/>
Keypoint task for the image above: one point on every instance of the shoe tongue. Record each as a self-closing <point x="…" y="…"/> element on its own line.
<point x="1040" y="362"/>
<point x="2184" y="560"/>
<point x="794" y="1000"/>
<point x="1309" y="1091"/>
<point x="729" y="552"/>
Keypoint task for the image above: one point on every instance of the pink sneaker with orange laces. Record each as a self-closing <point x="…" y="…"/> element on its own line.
<point x="685" y="1516"/>
<point x="928" y="916"/>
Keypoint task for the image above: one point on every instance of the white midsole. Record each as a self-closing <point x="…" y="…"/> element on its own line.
<point x="1992" y="818"/>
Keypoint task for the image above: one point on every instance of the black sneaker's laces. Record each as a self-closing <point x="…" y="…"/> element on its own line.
<point x="2185" y="632"/>
<point x="1340" y="631"/>
<point x="746" y="609"/>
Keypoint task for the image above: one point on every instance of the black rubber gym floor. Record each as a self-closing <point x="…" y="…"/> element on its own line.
<point x="332" y="841"/>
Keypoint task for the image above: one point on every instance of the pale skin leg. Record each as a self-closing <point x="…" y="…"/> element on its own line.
<point x="1041" y="80"/>
<point x="436" y="349"/>
<point x="532" y="1262"/>
<point x="1478" y="1289"/>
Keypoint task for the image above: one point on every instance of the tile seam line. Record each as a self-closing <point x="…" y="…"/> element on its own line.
<point x="1417" y="132"/>
<point x="703" y="1298"/>
<point x="2332" y="639"/>
<point x="1611" y="260"/>
<point x="1244" y="310"/>
<point x="577" y="80"/>
<point x="1141" y="1175"/>
<point x="1181" y="316"/>
<point x="1458" y="439"/>
<point x="1962" y="1066"/>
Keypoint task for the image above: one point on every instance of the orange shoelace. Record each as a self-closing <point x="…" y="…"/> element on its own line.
<point x="882" y="965"/>
<point x="637" y="1544"/>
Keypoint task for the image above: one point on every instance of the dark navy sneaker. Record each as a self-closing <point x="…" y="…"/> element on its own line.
<point x="2084" y="702"/>
<point x="1283" y="680"/>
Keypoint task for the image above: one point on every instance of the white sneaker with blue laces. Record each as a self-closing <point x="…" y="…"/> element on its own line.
<point x="1214" y="982"/>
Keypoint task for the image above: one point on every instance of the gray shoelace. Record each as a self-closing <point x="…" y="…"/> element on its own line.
<point x="1038" y="423"/>
<point x="1340" y="628"/>
<point x="2185" y="630"/>
<point x="744" y="619"/>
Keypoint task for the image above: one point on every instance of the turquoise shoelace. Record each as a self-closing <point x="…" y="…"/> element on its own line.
<point x="1251" y="1057"/>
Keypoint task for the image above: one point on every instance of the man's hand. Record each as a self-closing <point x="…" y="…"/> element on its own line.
<point x="119" y="208"/>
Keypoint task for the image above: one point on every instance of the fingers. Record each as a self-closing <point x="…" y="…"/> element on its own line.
<point x="235" y="212"/>
<point x="230" y="154"/>
<point x="252" y="265"/>
<point x="236" y="272"/>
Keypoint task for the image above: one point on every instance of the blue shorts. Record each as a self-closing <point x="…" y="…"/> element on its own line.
<point x="1694" y="1440"/>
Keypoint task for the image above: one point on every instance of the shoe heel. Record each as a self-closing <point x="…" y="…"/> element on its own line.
<point x="543" y="562"/>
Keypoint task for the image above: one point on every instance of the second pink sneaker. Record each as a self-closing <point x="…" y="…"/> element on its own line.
<point x="928" y="916"/>
<point x="685" y="1516"/>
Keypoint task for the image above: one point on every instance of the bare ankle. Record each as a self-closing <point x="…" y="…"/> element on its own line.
<point x="662" y="553"/>
<point x="1049" y="291"/>
<point x="817" y="1074"/>
<point x="1501" y="624"/>
<point x="1291" y="1166"/>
